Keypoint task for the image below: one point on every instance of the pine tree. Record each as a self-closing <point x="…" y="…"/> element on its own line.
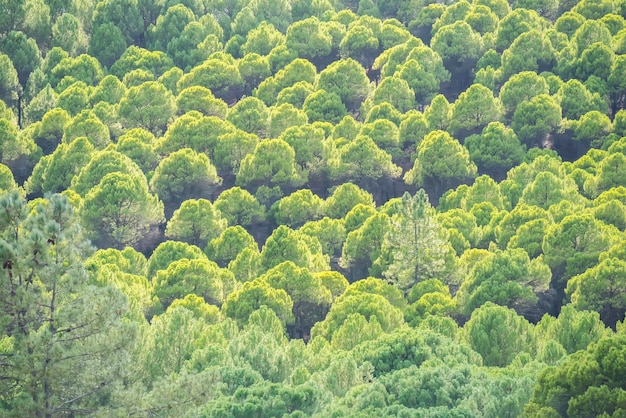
<point x="416" y="247"/>
<point x="63" y="341"/>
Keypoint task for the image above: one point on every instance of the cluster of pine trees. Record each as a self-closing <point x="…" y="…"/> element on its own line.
<point x="333" y="208"/>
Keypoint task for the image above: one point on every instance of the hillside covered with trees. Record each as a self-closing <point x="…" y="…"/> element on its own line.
<point x="331" y="208"/>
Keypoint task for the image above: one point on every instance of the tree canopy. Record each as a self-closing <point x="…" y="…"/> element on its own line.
<point x="327" y="208"/>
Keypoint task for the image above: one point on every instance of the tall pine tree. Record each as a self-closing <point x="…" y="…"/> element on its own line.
<point x="416" y="247"/>
<point x="63" y="341"/>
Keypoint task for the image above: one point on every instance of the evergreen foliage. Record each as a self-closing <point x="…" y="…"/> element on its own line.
<point x="312" y="208"/>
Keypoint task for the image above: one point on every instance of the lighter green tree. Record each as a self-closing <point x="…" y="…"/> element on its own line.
<point x="242" y="303"/>
<point x="200" y="277"/>
<point x="498" y="334"/>
<point x="227" y="247"/>
<point x="197" y="222"/>
<point x="149" y="105"/>
<point x="441" y="163"/>
<point x="184" y="174"/>
<point x="601" y="289"/>
<point x="170" y="341"/>
<point x="120" y="210"/>
<point x="474" y="109"/>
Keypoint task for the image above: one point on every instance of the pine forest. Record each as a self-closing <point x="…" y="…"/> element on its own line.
<point x="313" y="208"/>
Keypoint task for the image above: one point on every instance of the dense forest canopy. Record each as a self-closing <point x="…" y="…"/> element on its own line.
<point x="332" y="208"/>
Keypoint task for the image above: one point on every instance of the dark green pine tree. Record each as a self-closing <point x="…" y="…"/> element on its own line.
<point x="64" y="344"/>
